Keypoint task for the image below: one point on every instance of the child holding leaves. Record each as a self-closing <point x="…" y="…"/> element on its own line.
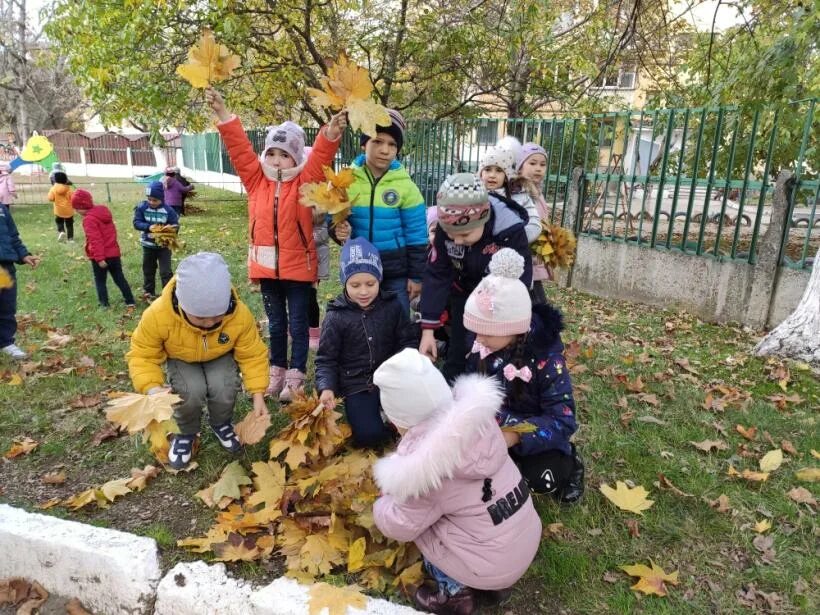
<point x="521" y="346"/>
<point x="531" y="166"/>
<point x="282" y="255"/>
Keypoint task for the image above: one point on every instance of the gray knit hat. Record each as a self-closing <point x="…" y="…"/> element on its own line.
<point x="462" y="203"/>
<point x="203" y="285"/>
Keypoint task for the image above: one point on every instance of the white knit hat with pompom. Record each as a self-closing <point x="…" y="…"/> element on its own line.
<point x="500" y="304"/>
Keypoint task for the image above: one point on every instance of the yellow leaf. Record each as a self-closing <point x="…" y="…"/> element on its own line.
<point x="808" y="475"/>
<point x="652" y="580"/>
<point x="410" y="577"/>
<point x="205" y="543"/>
<point x="208" y="62"/>
<point x="83" y="498"/>
<point x="335" y="599"/>
<point x="365" y="115"/>
<point x="237" y="549"/>
<point x="754" y="476"/>
<point x="633" y="500"/>
<point x="771" y="460"/>
<point x="156" y="434"/>
<point x="14" y="380"/>
<point x="252" y="428"/>
<point x="269" y="483"/>
<point x="139" y="478"/>
<point x="763" y="526"/>
<point x="135" y="412"/>
<point x="815" y="454"/>
<point x="343" y="179"/>
<point x="49" y="503"/>
<point x="325" y="197"/>
<point x="519" y="428"/>
<point x="355" y="557"/>
<point x="229" y="482"/>
<point x="318" y="556"/>
<point x="21" y="446"/>
<point x="115" y="488"/>
<point x="6" y="280"/>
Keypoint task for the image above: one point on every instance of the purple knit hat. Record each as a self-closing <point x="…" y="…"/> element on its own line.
<point x="527" y="150"/>
<point x="432" y="215"/>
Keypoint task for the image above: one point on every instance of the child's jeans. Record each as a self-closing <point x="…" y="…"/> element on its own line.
<point x="65" y="225"/>
<point x="8" y="308"/>
<point x="445" y="582"/>
<point x="363" y="411"/>
<point x="286" y="305"/>
<point x="151" y="257"/>
<point x="101" y="280"/>
<point x="213" y="383"/>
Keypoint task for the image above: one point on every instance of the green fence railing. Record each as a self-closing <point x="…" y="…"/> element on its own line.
<point x="692" y="180"/>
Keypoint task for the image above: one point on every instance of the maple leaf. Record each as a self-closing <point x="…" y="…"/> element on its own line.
<point x="232" y="477"/>
<point x="763" y="526"/>
<point x="84" y="498"/>
<point x="56" y="340"/>
<point x="749" y="433"/>
<point x="808" y="475"/>
<point x="329" y="197"/>
<point x="801" y="495"/>
<point x="139" y="478"/>
<point x="156" y="435"/>
<point x="105" y="433"/>
<point x="410" y="578"/>
<point x="348" y="85"/>
<point x="335" y="599"/>
<point x="115" y="488"/>
<point x="134" y="412"/>
<point x="269" y="484"/>
<point x="215" y="535"/>
<point x="21" y="446"/>
<point x="652" y="580"/>
<point x="708" y="445"/>
<point x="49" y="503"/>
<point x="252" y="428"/>
<point x="355" y="556"/>
<point x="318" y="556"/>
<point x="633" y="500"/>
<point x="6" y="280"/>
<point x="771" y="460"/>
<point x="236" y="549"/>
<point x="54" y="478"/>
<point x="208" y="62"/>
<point x="721" y="504"/>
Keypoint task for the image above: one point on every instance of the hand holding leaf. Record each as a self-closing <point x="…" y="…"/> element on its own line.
<point x="208" y="62"/>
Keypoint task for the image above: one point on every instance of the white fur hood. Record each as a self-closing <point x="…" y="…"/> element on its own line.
<point x="455" y="442"/>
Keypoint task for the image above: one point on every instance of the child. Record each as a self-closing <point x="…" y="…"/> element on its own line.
<point x="148" y="213"/>
<point x="388" y="210"/>
<point x="363" y="327"/>
<point x="60" y="194"/>
<point x="472" y="226"/>
<point x="321" y="239"/>
<point x="451" y="487"/>
<point x="12" y="251"/>
<point x="498" y="173"/>
<point x="57" y="167"/>
<point x="175" y="190"/>
<point x="8" y="192"/>
<point x="101" y="247"/>
<point x="201" y="331"/>
<point x="282" y="254"/>
<point x="521" y="347"/>
<point x="532" y="167"/>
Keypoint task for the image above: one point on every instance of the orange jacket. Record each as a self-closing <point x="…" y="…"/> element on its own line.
<point x="280" y="228"/>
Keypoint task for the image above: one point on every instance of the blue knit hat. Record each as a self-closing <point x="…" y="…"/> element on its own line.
<point x="359" y="256"/>
<point x="156" y="191"/>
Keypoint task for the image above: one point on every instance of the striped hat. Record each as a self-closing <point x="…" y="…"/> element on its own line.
<point x="462" y="203"/>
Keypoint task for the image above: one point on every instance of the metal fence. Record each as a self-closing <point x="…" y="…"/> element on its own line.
<point x="692" y="180"/>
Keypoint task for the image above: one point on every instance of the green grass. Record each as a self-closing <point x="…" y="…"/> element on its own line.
<point x="712" y="551"/>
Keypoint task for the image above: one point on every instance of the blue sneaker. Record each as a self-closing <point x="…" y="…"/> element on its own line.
<point x="182" y="450"/>
<point x="227" y="437"/>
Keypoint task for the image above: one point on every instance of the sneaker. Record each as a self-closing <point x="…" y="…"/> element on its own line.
<point x="294" y="385"/>
<point x="313" y="338"/>
<point x="15" y="352"/>
<point x="277" y="381"/>
<point x="60" y="237"/>
<point x="227" y="437"/>
<point x="574" y="489"/>
<point x="182" y="451"/>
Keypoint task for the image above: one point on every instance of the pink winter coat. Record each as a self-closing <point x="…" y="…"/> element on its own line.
<point x="7" y="189"/>
<point x="540" y="272"/>
<point x="433" y="492"/>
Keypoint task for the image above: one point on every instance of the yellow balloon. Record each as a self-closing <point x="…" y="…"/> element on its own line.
<point x="37" y="148"/>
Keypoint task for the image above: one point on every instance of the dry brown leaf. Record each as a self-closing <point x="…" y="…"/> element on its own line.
<point x="21" y="446"/>
<point x="801" y="495"/>
<point x="708" y="445"/>
<point x="252" y="428"/>
<point x="75" y="607"/>
<point x="750" y="433"/>
<point x="139" y="478"/>
<point x="208" y="62"/>
<point x="108" y="431"/>
<point x="665" y="483"/>
<point x="788" y="447"/>
<point x="54" y="478"/>
<point x="632" y="526"/>
<point x="721" y="504"/>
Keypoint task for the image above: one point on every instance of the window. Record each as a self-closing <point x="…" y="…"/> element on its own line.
<point x="487" y="132"/>
<point x="624" y="78"/>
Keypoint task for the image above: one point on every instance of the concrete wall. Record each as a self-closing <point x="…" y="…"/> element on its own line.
<point x="788" y="291"/>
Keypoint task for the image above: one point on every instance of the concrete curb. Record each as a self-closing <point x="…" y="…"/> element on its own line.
<point x="108" y="570"/>
<point x="113" y="572"/>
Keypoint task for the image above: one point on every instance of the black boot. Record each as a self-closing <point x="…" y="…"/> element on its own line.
<point x="574" y="489"/>
<point x="438" y="601"/>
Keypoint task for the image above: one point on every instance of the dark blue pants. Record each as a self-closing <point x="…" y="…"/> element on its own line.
<point x="151" y="257"/>
<point x="101" y="279"/>
<point x="8" y="308"/>
<point x="363" y="412"/>
<point x="286" y="305"/>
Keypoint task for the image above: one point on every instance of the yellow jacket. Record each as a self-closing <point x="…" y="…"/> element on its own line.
<point x="60" y="194"/>
<point x="164" y="333"/>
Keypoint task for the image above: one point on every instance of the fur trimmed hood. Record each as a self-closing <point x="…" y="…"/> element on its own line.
<point x="456" y="442"/>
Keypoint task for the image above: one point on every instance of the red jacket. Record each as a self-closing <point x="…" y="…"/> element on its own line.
<point x="100" y="234"/>
<point x="280" y="229"/>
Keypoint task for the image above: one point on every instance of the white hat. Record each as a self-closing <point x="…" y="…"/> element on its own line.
<point x="503" y="155"/>
<point x="500" y="304"/>
<point x="203" y="285"/>
<point x="411" y="388"/>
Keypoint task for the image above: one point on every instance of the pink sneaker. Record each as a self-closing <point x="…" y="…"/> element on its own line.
<point x="277" y="381"/>
<point x="294" y="385"/>
<point x="313" y="339"/>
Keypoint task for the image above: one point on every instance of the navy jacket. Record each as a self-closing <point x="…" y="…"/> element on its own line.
<point x="12" y="249"/>
<point x="354" y="342"/>
<point x="546" y="401"/>
<point x="145" y="216"/>
<point x="458" y="269"/>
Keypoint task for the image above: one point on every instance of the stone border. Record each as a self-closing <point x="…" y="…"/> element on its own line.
<point x="113" y="572"/>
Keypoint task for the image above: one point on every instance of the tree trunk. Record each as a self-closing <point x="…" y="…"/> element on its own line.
<point x="798" y="337"/>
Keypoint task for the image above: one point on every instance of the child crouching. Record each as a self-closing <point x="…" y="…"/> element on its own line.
<point x="363" y="327"/>
<point x="451" y="487"/>
<point x="201" y="331"/>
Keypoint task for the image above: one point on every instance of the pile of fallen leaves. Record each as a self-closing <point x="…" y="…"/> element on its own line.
<point x="310" y="502"/>
<point x="555" y="246"/>
<point x="331" y="196"/>
<point x="164" y="235"/>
